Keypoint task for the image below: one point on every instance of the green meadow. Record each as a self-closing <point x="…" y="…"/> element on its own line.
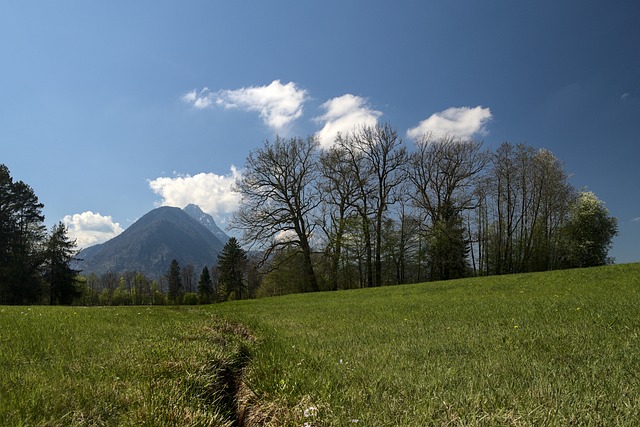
<point x="557" y="348"/>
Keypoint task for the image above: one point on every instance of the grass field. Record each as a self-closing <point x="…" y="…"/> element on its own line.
<point x="555" y="348"/>
<point x="76" y="366"/>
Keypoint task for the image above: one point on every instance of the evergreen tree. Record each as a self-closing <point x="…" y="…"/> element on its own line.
<point x="448" y="250"/>
<point x="175" y="282"/>
<point x="231" y="269"/>
<point x="205" y="286"/>
<point x="59" y="275"/>
<point x="22" y="233"/>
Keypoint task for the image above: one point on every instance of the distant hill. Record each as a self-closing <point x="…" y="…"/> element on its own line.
<point x="150" y="244"/>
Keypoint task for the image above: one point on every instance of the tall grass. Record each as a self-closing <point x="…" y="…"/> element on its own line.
<point x="558" y="348"/>
<point x="63" y="366"/>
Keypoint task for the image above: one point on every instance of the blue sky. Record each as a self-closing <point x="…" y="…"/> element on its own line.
<point x="109" y="109"/>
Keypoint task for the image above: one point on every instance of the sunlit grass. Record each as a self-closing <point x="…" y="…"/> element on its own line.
<point x="541" y="349"/>
<point x="556" y="348"/>
<point x="65" y="366"/>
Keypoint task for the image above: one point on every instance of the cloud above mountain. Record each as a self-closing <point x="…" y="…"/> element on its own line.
<point x="89" y="228"/>
<point x="211" y="192"/>
<point x="461" y="122"/>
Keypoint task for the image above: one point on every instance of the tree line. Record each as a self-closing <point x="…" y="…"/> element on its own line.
<point x="369" y="211"/>
<point x="228" y="280"/>
<point x="34" y="264"/>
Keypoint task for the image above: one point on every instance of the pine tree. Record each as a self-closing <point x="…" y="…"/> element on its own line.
<point x="59" y="276"/>
<point x="22" y="233"/>
<point x="232" y="263"/>
<point x="205" y="286"/>
<point x="175" y="282"/>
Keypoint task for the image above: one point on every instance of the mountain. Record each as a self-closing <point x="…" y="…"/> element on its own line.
<point x="149" y="245"/>
<point x="207" y="220"/>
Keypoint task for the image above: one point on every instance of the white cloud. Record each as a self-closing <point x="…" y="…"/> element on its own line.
<point x="461" y="122"/>
<point x="624" y="96"/>
<point x="213" y="193"/>
<point x="199" y="100"/>
<point x="277" y="104"/>
<point x="89" y="228"/>
<point x="342" y="115"/>
<point x="636" y="219"/>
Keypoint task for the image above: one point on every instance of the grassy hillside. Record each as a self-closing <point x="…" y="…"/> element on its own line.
<point x="539" y="349"/>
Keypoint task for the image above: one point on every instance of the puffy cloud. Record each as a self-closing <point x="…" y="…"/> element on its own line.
<point x="461" y="122"/>
<point x="343" y="114"/>
<point x="213" y="193"/>
<point x="89" y="228"/>
<point x="278" y="104"/>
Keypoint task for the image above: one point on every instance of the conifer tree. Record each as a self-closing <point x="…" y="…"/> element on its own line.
<point x="59" y="276"/>
<point x="175" y="282"/>
<point x="232" y="263"/>
<point x="21" y="235"/>
<point x="205" y="286"/>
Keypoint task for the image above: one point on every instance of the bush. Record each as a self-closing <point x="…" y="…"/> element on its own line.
<point x="190" y="298"/>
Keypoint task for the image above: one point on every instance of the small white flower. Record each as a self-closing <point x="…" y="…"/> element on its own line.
<point x="355" y="420"/>
<point x="311" y="411"/>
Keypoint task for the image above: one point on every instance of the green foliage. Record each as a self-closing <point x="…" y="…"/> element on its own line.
<point x="284" y="276"/>
<point x="190" y="298"/>
<point x="232" y="271"/>
<point x="175" y="282"/>
<point x="448" y="249"/>
<point x="21" y="236"/>
<point x="588" y="232"/>
<point x="59" y="275"/>
<point x="205" y="287"/>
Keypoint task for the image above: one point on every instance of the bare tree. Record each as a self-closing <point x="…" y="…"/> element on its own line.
<point x="188" y="277"/>
<point x="376" y="156"/>
<point x="445" y="173"/>
<point x="278" y="198"/>
<point x="526" y="200"/>
<point x="338" y="189"/>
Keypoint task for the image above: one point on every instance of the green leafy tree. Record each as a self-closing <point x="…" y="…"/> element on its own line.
<point x="284" y="275"/>
<point x="588" y="232"/>
<point x="174" y="280"/>
<point x="205" y="286"/>
<point x="232" y="263"/>
<point x="59" y="275"/>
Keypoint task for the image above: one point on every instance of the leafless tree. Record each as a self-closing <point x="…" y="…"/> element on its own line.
<point x="278" y="197"/>
<point x="445" y="172"/>
<point x="376" y="156"/>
